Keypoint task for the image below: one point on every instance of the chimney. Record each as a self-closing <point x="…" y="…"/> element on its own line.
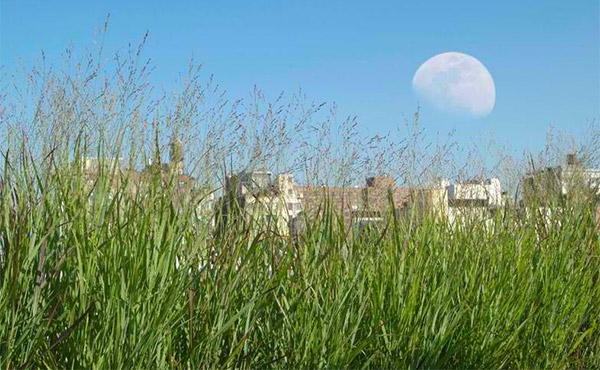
<point x="380" y="181"/>
<point x="176" y="155"/>
<point x="572" y="159"/>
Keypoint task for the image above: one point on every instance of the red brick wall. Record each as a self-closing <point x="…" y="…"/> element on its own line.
<point x="350" y="200"/>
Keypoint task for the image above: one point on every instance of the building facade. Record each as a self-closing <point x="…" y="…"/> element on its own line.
<point x="359" y="205"/>
<point x="561" y="183"/>
<point x="552" y="189"/>
<point x="461" y="202"/>
<point x="171" y="176"/>
<point x="254" y="197"/>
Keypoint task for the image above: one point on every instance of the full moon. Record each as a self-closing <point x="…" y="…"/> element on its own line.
<point x="456" y="83"/>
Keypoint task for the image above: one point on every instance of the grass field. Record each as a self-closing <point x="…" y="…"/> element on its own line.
<point x="132" y="281"/>
<point x="98" y="276"/>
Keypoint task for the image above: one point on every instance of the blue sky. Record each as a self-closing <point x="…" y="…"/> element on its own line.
<point x="544" y="56"/>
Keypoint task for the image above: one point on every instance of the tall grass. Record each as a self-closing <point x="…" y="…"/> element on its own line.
<point x="96" y="274"/>
<point x="134" y="280"/>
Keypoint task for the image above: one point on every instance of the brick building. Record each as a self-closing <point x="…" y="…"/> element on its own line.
<point x="358" y="205"/>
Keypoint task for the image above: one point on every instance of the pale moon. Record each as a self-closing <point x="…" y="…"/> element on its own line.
<point x="456" y="83"/>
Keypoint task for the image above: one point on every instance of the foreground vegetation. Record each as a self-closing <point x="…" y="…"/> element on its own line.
<point x="93" y="277"/>
<point x="123" y="280"/>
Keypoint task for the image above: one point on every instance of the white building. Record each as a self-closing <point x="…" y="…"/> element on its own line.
<point x="563" y="181"/>
<point x="287" y="189"/>
<point x="548" y="191"/>
<point x="464" y="201"/>
<point x="478" y="199"/>
<point x="257" y="196"/>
